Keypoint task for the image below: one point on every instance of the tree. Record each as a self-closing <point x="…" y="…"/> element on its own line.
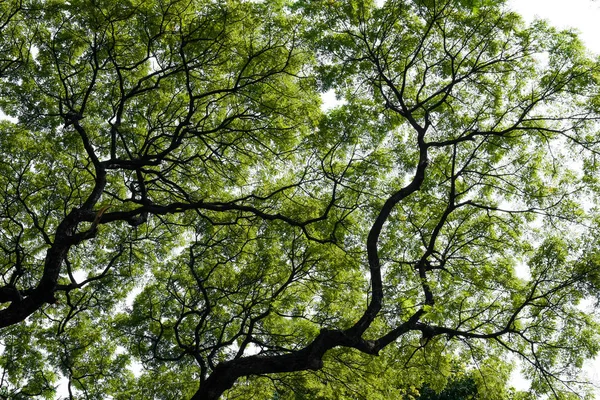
<point x="461" y="389"/>
<point x="181" y="219"/>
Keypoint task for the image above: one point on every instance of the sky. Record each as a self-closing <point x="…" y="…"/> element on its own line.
<point x="584" y="16"/>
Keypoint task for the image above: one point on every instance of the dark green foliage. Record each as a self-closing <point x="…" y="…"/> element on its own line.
<point x="459" y="389"/>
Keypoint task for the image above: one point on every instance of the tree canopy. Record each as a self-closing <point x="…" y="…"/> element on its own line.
<point x="182" y="217"/>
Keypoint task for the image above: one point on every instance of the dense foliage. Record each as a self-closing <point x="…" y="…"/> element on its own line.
<point x="182" y="217"/>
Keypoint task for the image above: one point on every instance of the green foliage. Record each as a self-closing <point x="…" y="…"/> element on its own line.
<point x="181" y="217"/>
<point x="461" y="389"/>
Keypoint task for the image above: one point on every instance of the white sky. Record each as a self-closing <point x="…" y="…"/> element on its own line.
<point x="583" y="15"/>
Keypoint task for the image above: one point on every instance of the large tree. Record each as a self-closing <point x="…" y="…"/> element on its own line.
<point x="178" y="211"/>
